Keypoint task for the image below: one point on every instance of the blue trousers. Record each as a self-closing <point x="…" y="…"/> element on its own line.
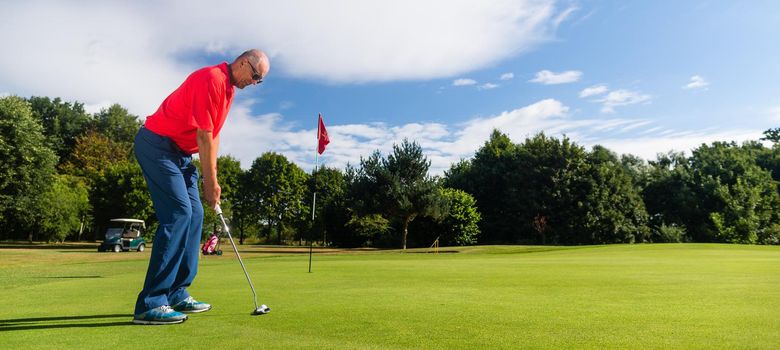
<point x="172" y="180"/>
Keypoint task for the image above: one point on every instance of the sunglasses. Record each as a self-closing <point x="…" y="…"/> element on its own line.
<point x="255" y="75"/>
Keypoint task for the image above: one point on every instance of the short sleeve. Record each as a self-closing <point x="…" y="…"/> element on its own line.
<point x="206" y="97"/>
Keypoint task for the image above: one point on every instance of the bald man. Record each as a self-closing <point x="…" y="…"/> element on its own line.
<point x="187" y="122"/>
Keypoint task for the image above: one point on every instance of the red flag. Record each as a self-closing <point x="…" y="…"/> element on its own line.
<point x="322" y="136"/>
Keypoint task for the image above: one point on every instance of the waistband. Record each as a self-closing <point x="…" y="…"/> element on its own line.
<point x="161" y="142"/>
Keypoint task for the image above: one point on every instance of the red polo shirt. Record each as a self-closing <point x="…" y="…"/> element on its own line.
<point x="201" y="102"/>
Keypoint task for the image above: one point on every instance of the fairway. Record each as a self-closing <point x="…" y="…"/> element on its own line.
<point x="489" y="297"/>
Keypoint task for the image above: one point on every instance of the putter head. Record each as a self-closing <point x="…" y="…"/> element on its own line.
<point x="262" y="310"/>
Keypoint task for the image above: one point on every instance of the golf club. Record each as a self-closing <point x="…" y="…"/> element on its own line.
<point x="259" y="310"/>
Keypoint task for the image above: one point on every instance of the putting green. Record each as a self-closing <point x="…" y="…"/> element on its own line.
<point x="504" y="297"/>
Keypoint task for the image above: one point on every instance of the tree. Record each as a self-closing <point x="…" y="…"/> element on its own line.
<point x="549" y="190"/>
<point x="243" y="206"/>
<point x="117" y="124"/>
<point x="490" y="178"/>
<point x="62" y="123"/>
<point x="121" y="192"/>
<point x="772" y="134"/>
<point x="719" y="194"/>
<point x="399" y="186"/>
<point x="737" y="198"/>
<point x="330" y="186"/>
<point x="615" y="210"/>
<point x="67" y="204"/>
<point x="276" y="190"/>
<point x="92" y="154"/>
<point x="26" y="168"/>
<point x="668" y="193"/>
<point x="460" y="224"/>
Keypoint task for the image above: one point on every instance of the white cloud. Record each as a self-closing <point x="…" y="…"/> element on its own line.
<point x="4" y="94"/>
<point x="696" y="82"/>
<point x="507" y="76"/>
<point x="247" y="136"/>
<point x="487" y="86"/>
<point x="564" y="15"/>
<point x="134" y="53"/>
<point x="648" y="147"/>
<point x="286" y="105"/>
<point x="463" y="82"/>
<point x="593" y="90"/>
<point x="621" y="98"/>
<point x="97" y="107"/>
<point x="547" y="77"/>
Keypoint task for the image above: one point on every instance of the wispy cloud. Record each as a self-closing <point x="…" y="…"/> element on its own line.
<point x="547" y="77"/>
<point x="487" y="86"/>
<point x="593" y="90"/>
<point x="564" y="15"/>
<point x="463" y="82"/>
<point x="246" y="136"/>
<point x="286" y="105"/>
<point x="153" y="41"/>
<point x="507" y="76"/>
<point x="696" y="82"/>
<point x="621" y="98"/>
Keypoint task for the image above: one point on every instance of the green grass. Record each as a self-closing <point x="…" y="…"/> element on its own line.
<point x="490" y="297"/>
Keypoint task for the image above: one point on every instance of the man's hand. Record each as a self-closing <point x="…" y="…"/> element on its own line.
<point x="212" y="192"/>
<point x="207" y="147"/>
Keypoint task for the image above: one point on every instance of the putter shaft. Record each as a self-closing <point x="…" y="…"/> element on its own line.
<point x="227" y="230"/>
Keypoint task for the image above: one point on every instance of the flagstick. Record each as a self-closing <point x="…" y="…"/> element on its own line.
<point x="314" y="199"/>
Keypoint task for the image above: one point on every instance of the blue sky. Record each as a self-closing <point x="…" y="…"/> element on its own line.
<point x="637" y="77"/>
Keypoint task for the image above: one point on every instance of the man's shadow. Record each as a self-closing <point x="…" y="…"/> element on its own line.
<point x="20" y="324"/>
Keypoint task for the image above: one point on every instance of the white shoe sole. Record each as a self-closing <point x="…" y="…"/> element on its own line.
<point x="196" y="311"/>
<point x="136" y="321"/>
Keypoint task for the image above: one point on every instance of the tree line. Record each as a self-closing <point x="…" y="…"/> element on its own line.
<point x="65" y="173"/>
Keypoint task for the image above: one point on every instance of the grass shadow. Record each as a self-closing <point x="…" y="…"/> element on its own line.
<point x="20" y="324"/>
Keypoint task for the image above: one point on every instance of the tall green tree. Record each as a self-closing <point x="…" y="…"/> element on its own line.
<point x="549" y="190"/>
<point x="93" y="154"/>
<point x="399" y="186"/>
<point x="66" y="209"/>
<point x="116" y="123"/>
<point x="277" y="188"/>
<point x="26" y="168"/>
<point x="669" y="196"/>
<point x="737" y="198"/>
<point x="460" y="223"/>
<point x="120" y="193"/>
<point x="62" y="123"/>
<point x="330" y="186"/>
<point x="490" y="178"/>
<point x="615" y="210"/>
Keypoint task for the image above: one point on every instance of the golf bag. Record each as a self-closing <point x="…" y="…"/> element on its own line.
<point x="211" y="247"/>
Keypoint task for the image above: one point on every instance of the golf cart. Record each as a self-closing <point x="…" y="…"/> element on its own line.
<point x="124" y="235"/>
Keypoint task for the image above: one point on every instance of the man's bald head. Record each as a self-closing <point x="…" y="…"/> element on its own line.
<point x="256" y="57"/>
<point x="257" y="63"/>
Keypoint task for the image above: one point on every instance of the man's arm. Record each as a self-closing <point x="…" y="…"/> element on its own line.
<point x="208" y="147"/>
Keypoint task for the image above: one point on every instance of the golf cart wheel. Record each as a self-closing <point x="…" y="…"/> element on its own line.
<point x="219" y="252"/>
<point x="141" y="247"/>
<point x="117" y="248"/>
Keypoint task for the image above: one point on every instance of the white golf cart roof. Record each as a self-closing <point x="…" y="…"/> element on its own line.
<point x="136" y="221"/>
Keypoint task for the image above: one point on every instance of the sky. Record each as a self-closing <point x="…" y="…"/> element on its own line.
<point x="638" y="77"/>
